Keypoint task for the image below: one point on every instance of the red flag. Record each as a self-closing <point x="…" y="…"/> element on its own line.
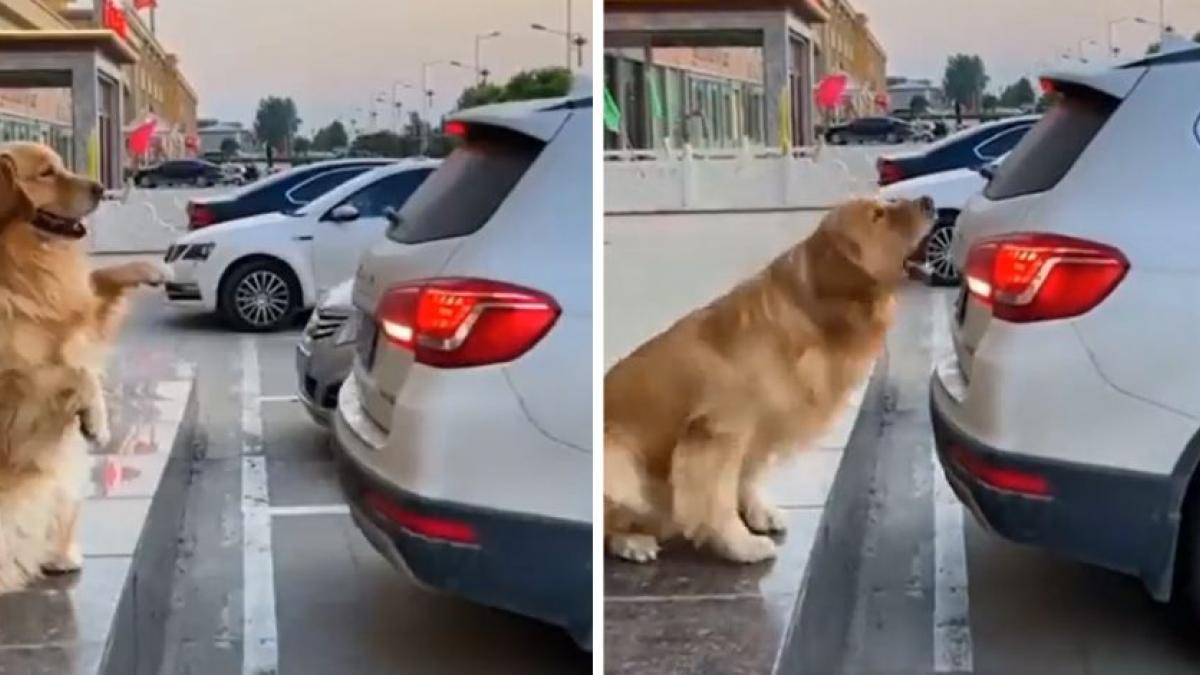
<point x="145" y="4"/>
<point x="830" y="90"/>
<point x="139" y="138"/>
<point x="114" y="19"/>
<point x="882" y="100"/>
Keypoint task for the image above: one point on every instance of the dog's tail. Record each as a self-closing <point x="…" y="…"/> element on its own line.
<point x="27" y="518"/>
<point x="624" y="482"/>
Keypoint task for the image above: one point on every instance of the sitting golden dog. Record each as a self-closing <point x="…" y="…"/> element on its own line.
<point x="56" y="319"/>
<point x="693" y="417"/>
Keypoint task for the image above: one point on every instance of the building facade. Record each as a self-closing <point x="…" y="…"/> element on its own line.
<point x="214" y="134"/>
<point x="847" y="46"/>
<point x="137" y="78"/>
<point x="902" y="91"/>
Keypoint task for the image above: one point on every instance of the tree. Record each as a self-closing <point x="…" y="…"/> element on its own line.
<point x="330" y="138"/>
<point x="989" y="102"/>
<point x="1156" y="47"/>
<point x="230" y="148"/>
<point x="380" y="144"/>
<point x="918" y="106"/>
<point x="1018" y="94"/>
<point x="1046" y="101"/>
<point x="301" y="145"/>
<point x="276" y="122"/>
<point x="538" y="83"/>
<point x="965" y="80"/>
<point x="480" y="94"/>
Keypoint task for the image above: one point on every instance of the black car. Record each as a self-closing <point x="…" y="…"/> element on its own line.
<point x="283" y="191"/>
<point x="970" y="148"/>
<point x="179" y="172"/>
<point x="870" y="130"/>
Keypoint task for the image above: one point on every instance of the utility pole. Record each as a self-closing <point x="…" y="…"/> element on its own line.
<point x="569" y="40"/>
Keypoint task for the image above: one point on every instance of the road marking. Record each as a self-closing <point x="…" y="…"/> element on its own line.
<point x="952" y="647"/>
<point x="316" y="510"/>
<point x="282" y="398"/>
<point x="260" y="642"/>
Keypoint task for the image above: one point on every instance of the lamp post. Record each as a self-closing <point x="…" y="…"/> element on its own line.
<point x="396" y="118"/>
<point x="1081" y="43"/>
<point x="573" y="39"/>
<point x="482" y="73"/>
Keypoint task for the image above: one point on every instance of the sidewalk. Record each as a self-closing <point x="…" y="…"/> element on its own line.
<point x="109" y="617"/>
<point x="691" y="612"/>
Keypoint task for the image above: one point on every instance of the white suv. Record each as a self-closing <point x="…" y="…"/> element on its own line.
<point x="464" y="428"/>
<point x="1068" y="416"/>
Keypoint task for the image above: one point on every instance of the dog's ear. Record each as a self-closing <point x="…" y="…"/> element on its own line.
<point x="14" y="203"/>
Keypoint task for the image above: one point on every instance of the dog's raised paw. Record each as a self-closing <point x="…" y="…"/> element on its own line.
<point x="639" y="548"/>
<point x="765" y="519"/>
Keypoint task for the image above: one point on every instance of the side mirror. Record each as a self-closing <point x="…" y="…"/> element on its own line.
<point x="343" y="214"/>
<point x="392" y="215"/>
<point x="988" y="171"/>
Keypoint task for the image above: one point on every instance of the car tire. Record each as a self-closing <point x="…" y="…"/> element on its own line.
<point x="148" y="182"/>
<point x="1185" y="596"/>
<point x="892" y="138"/>
<point x="259" y="296"/>
<point x="936" y="253"/>
<point x="202" y="182"/>
<point x="836" y="139"/>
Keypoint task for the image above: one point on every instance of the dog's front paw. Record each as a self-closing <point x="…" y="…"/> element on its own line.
<point x="129" y="275"/>
<point x="763" y="518"/>
<point x="746" y="547"/>
<point x="639" y="548"/>
<point x="65" y="562"/>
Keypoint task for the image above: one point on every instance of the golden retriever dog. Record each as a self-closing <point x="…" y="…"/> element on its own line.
<point x="56" y="319"/>
<point x="695" y="416"/>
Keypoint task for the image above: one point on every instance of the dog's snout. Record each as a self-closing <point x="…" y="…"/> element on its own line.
<point x="926" y="204"/>
<point x="97" y="190"/>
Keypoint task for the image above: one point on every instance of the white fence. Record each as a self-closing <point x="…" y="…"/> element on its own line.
<point x="140" y="221"/>
<point x="747" y="180"/>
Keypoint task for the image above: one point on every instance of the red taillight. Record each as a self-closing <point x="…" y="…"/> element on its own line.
<point x="889" y="172"/>
<point x="456" y="128"/>
<point x="1001" y="478"/>
<point x="458" y="322"/>
<point x="1037" y="277"/>
<point x="431" y="527"/>
<point x="1047" y="85"/>
<point x="199" y="216"/>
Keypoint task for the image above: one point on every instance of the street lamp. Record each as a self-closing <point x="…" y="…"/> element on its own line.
<point x="573" y="39"/>
<point x="396" y="117"/>
<point x="1081" y="43"/>
<point x="1112" y="47"/>
<point x="483" y="73"/>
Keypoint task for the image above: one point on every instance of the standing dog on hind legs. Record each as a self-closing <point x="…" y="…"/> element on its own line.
<point x="57" y="319"/>
<point x="694" y="417"/>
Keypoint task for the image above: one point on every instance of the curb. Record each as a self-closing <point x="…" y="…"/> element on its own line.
<point x="816" y="638"/>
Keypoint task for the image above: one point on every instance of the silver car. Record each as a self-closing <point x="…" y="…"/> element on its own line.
<point x="326" y="352"/>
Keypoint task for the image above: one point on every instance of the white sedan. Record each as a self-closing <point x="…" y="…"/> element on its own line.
<point x="258" y="272"/>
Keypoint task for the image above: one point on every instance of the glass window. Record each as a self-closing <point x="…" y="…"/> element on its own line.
<point x="318" y="185"/>
<point x="391" y="192"/>
<point x="466" y="190"/>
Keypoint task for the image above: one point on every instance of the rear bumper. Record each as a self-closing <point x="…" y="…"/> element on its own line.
<point x="530" y="565"/>
<point x="1123" y="521"/>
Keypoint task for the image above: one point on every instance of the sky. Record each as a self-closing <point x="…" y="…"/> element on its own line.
<point x="334" y="57"/>
<point x="1014" y="37"/>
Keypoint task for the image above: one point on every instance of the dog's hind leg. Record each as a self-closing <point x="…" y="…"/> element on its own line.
<point x="627" y="504"/>
<point x="706" y="468"/>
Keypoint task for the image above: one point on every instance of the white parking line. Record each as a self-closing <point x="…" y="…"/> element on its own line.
<point x="952" y="647"/>
<point x="282" y="398"/>
<point x="315" y="510"/>
<point x="260" y="643"/>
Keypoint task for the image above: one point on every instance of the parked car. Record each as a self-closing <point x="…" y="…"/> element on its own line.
<point x="969" y="148"/>
<point x="870" y="130"/>
<point x="195" y="172"/>
<point x="326" y="352"/>
<point x="232" y="174"/>
<point x="950" y="191"/>
<point x="1068" y="417"/>
<point x="259" y="272"/>
<point x="281" y="192"/>
<point x="464" y="429"/>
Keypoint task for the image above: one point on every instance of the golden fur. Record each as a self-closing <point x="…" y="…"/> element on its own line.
<point x="56" y="318"/>
<point x="694" y="417"/>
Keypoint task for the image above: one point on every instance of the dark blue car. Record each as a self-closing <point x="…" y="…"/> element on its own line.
<point x="970" y="148"/>
<point x="283" y="191"/>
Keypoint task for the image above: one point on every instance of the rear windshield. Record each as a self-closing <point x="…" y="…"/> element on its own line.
<point x="1051" y="147"/>
<point x="464" y="192"/>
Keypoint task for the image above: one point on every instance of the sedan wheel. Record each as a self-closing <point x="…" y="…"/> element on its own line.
<point x="260" y="296"/>
<point x="942" y="271"/>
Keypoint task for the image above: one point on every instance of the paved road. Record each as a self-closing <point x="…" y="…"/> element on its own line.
<point x="340" y="608"/>
<point x="1029" y="612"/>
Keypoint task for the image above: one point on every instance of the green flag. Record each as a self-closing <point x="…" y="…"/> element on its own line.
<point x="656" y="105"/>
<point x="612" y="112"/>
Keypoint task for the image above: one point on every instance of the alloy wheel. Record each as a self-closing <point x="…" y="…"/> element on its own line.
<point x="262" y="298"/>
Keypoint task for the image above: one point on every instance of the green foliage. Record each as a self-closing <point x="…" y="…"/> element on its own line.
<point x="301" y="145"/>
<point x="230" y="148"/>
<point x="480" y="94"/>
<point x="965" y="80"/>
<point x="989" y="102"/>
<point x="918" y="106"/>
<point x="330" y="138"/>
<point x="1018" y="94"/>
<point x="525" y="85"/>
<point x="276" y="122"/>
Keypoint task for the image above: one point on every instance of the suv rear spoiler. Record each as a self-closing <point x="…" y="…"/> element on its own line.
<point x="1116" y="82"/>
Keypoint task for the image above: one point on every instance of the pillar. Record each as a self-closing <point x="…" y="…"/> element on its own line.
<point x="85" y="112"/>
<point x="776" y="67"/>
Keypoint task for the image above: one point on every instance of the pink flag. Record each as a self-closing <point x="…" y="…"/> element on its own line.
<point x="139" y="138"/>
<point x="830" y="90"/>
